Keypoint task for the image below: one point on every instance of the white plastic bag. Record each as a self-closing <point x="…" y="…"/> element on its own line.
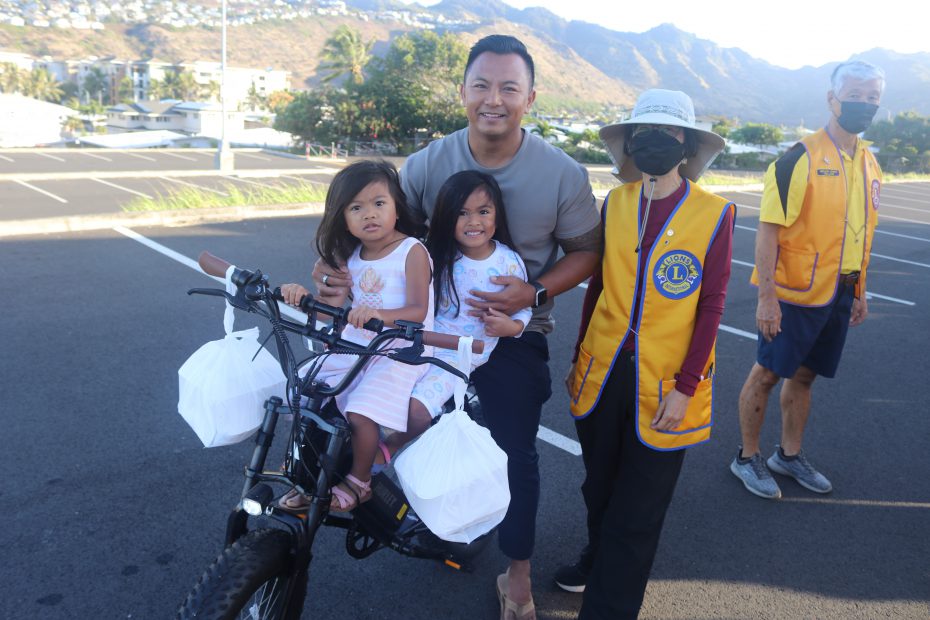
<point x="455" y="475"/>
<point x="222" y="389"/>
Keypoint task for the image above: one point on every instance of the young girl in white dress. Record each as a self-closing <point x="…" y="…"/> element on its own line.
<point x="469" y="243"/>
<point x="368" y="228"/>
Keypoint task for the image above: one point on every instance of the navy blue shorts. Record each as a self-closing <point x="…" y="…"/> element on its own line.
<point x="809" y="337"/>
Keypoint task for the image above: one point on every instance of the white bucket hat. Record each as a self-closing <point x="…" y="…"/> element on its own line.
<point x="661" y="107"/>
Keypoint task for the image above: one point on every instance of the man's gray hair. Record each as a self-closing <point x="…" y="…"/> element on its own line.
<point x="858" y="69"/>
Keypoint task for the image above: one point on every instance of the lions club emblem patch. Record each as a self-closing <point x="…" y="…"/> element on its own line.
<point x="677" y="274"/>
<point x="876" y="191"/>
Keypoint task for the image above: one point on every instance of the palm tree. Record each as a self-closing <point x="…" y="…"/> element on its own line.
<point x="345" y="53"/>
<point x="157" y="90"/>
<point x="544" y="130"/>
<point x="40" y="84"/>
<point x="124" y="90"/>
<point x="11" y="78"/>
<point x="95" y="85"/>
<point x="72" y="125"/>
<point x="187" y="87"/>
<point x="209" y="91"/>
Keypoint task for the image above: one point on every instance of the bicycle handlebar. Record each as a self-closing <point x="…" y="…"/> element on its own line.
<point x="216" y="266"/>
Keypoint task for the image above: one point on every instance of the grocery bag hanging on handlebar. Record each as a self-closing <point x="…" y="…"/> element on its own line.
<point x="222" y="388"/>
<point x="455" y="475"/>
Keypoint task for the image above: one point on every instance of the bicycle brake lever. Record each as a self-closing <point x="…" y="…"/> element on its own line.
<point x="215" y="292"/>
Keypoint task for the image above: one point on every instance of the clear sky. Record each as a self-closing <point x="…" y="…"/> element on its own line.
<point x="787" y="33"/>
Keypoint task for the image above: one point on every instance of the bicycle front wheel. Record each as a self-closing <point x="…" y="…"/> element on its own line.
<point x="249" y="580"/>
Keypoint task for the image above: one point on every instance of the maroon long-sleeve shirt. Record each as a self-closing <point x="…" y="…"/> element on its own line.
<point x="713" y="288"/>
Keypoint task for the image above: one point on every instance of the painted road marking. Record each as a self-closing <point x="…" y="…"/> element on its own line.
<point x="125" y="189"/>
<point x="50" y="156"/>
<point x="95" y="156"/>
<point x="180" y="156"/>
<point x="42" y="191"/>
<point x="141" y="156"/>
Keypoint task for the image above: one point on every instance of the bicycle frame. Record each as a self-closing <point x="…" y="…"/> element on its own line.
<point x="313" y="422"/>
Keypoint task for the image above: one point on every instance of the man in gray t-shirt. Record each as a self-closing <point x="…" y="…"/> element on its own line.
<point x="549" y="205"/>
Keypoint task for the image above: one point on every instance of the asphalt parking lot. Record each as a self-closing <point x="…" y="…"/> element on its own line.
<point x="113" y="507"/>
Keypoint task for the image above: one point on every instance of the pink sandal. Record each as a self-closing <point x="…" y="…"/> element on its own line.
<point x="347" y="497"/>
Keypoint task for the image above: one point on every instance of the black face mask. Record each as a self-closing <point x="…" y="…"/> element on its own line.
<point x="856" y="116"/>
<point x="655" y="152"/>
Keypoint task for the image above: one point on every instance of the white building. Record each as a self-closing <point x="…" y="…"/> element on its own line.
<point x="25" y="121"/>
<point x="190" y="118"/>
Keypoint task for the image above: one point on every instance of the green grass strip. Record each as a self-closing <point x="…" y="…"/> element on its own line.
<point x="232" y="196"/>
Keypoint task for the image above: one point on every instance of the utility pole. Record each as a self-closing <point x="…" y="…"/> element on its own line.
<point x="224" y="155"/>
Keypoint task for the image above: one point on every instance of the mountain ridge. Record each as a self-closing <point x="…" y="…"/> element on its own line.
<point x="579" y="64"/>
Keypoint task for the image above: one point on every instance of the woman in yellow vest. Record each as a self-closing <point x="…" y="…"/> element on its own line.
<point x="641" y="388"/>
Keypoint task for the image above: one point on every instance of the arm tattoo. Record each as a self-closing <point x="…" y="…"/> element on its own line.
<point x="591" y="241"/>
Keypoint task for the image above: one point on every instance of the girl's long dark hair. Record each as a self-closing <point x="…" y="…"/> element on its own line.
<point x="334" y="242"/>
<point x="441" y="238"/>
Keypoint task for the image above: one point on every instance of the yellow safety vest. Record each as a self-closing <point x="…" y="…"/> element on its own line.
<point x="668" y="309"/>
<point x="810" y="251"/>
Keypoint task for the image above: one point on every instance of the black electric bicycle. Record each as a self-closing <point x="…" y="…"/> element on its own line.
<point x="263" y="570"/>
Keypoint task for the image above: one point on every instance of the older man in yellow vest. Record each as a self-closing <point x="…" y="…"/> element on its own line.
<point x="819" y="210"/>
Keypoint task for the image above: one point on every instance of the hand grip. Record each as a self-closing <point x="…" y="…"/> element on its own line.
<point x="212" y="265"/>
<point x="449" y="341"/>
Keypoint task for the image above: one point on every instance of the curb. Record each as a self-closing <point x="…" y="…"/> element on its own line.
<point x="53" y="225"/>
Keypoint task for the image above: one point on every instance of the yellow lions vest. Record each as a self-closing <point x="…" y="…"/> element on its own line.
<point x="668" y="308"/>
<point x="810" y="251"/>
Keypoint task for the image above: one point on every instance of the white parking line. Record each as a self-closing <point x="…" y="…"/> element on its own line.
<point x="877" y="232"/>
<point x="5" y="158"/>
<point x="180" y="156"/>
<point x="907" y="188"/>
<point x="42" y="191"/>
<point x="253" y="156"/>
<point x="545" y="434"/>
<point x="901" y="260"/>
<point x="886" y="205"/>
<point x="50" y="156"/>
<point x="868" y="294"/>
<point x="125" y="189"/>
<point x="95" y="156"/>
<point x="738" y="332"/>
<point x="204" y="188"/>
<point x="146" y="158"/>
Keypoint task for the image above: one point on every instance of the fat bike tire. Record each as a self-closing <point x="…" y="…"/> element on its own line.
<point x="249" y="580"/>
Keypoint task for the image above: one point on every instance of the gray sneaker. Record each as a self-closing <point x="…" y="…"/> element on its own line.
<point x="755" y="476"/>
<point x="801" y="470"/>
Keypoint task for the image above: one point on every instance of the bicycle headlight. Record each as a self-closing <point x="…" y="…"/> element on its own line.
<point x="257" y="499"/>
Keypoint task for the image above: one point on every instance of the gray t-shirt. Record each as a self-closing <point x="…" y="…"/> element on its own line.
<point x="547" y="197"/>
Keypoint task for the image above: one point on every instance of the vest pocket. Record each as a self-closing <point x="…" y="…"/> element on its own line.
<point x="698" y="413"/>
<point x="795" y="269"/>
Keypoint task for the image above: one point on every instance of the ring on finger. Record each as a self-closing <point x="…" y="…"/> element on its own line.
<point x="325" y="279"/>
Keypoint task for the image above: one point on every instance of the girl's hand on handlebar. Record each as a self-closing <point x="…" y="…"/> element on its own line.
<point x="360" y="315"/>
<point x="293" y="293"/>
